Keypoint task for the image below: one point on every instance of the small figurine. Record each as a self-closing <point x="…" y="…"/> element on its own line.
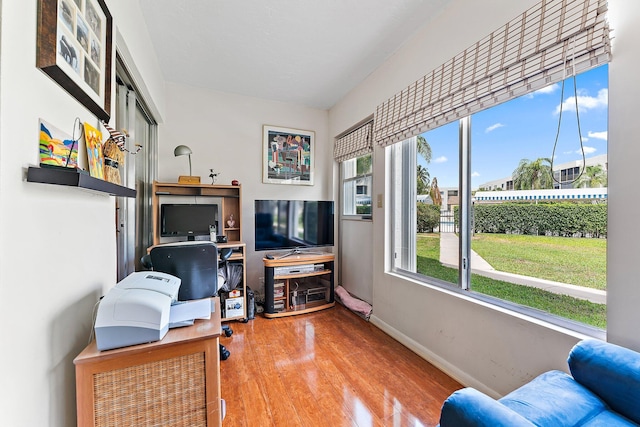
<point x="119" y="138"/>
<point x="213" y="175"/>
<point x="231" y="222"/>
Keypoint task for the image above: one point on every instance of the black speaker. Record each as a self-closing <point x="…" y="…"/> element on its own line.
<point x="251" y="304"/>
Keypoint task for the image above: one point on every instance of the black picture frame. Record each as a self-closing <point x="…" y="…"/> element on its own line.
<point x="74" y="47"/>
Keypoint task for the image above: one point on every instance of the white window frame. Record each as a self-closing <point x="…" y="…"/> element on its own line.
<point x="348" y="198"/>
<point x="402" y="249"/>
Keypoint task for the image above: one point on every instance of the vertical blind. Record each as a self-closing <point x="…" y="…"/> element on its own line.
<point x="354" y="144"/>
<point x="545" y="44"/>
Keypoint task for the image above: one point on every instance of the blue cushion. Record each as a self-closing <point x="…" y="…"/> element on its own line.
<point x="608" y="419"/>
<point x="554" y="399"/>
<point x="470" y="407"/>
<point x="603" y="391"/>
<point x="610" y="371"/>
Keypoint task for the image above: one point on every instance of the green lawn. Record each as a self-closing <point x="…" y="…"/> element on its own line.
<point x="581" y="262"/>
<point x="428" y="255"/>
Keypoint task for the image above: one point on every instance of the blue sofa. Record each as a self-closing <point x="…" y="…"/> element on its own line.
<point x="602" y="390"/>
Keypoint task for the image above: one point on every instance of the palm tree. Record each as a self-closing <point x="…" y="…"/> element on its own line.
<point x="363" y="165"/>
<point x="434" y="192"/>
<point x="424" y="149"/>
<point x="533" y="175"/>
<point x="422" y="174"/>
<point x="592" y="177"/>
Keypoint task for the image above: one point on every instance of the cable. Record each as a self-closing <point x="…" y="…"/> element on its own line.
<point x="575" y="97"/>
<point x="74" y="140"/>
<point x="93" y="316"/>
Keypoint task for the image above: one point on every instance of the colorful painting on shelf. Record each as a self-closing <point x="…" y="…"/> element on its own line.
<point x="95" y="158"/>
<point x="56" y="147"/>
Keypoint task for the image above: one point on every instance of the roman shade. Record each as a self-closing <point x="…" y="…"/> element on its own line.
<point x="545" y="44"/>
<point x="354" y="144"/>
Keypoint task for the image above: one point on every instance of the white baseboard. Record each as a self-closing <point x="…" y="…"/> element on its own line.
<point x="440" y="363"/>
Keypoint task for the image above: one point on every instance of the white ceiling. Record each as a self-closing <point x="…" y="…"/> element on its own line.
<point x="309" y="52"/>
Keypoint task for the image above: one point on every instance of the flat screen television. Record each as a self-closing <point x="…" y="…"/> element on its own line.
<point x="293" y="224"/>
<point x="184" y="220"/>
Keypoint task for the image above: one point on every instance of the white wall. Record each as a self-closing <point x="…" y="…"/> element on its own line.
<point x="356" y="258"/>
<point x="57" y="252"/>
<point x="623" y="315"/>
<point x="224" y="131"/>
<point x="479" y="344"/>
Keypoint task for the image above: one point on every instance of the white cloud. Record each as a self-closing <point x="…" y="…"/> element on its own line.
<point x="493" y="127"/>
<point x="475" y="174"/>
<point x="440" y="159"/>
<point x="587" y="150"/>
<point x="598" y="135"/>
<point x="585" y="139"/>
<point x="545" y="90"/>
<point x="585" y="102"/>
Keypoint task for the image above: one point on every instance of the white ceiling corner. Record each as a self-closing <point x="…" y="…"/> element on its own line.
<point x="307" y="52"/>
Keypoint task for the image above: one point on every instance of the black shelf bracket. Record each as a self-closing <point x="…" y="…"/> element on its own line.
<point x="74" y="178"/>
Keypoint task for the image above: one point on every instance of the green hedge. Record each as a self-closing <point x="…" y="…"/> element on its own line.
<point x="428" y="217"/>
<point x="363" y="209"/>
<point x="555" y="219"/>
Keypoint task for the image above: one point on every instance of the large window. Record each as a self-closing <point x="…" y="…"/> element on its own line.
<point x="356" y="186"/>
<point x="506" y="230"/>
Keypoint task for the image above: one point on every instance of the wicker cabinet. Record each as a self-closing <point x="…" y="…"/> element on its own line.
<point x="172" y="382"/>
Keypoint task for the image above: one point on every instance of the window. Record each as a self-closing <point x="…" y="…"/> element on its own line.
<point x="356" y="186"/>
<point x="507" y="244"/>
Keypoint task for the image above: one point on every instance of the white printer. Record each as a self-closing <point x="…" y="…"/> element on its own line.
<point x="136" y="310"/>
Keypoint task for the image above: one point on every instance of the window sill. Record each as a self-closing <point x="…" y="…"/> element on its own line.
<point x="566" y="326"/>
<point x="368" y="217"/>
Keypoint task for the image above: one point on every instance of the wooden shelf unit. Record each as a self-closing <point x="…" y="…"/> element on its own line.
<point x="239" y="256"/>
<point x="231" y="196"/>
<point x="231" y="204"/>
<point x="292" y="293"/>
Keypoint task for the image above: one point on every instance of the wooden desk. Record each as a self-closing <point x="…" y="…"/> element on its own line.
<point x="172" y="382"/>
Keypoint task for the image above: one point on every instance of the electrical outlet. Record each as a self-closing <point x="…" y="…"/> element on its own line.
<point x="379" y="200"/>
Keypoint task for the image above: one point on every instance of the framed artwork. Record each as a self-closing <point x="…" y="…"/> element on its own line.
<point x="95" y="157"/>
<point x="287" y="156"/>
<point x="74" y="44"/>
<point x="56" y="147"/>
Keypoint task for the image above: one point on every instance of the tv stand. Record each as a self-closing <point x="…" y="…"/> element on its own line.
<point x="300" y="282"/>
<point x="298" y="252"/>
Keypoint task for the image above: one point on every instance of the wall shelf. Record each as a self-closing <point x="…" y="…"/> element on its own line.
<point x="73" y="178"/>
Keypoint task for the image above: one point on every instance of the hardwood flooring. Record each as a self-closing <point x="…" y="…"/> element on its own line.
<point x="329" y="368"/>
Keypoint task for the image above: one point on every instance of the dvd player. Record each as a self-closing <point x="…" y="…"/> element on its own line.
<point x="294" y="269"/>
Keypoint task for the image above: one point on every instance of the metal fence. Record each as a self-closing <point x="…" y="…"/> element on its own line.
<point x="447" y="222"/>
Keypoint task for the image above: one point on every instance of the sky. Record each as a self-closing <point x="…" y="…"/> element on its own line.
<point x="525" y="128"/>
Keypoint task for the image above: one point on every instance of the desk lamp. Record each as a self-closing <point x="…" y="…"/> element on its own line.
<point x="183" y="150"/>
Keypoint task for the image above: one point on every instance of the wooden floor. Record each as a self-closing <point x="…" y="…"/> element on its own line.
<point x="329" y="368"/>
